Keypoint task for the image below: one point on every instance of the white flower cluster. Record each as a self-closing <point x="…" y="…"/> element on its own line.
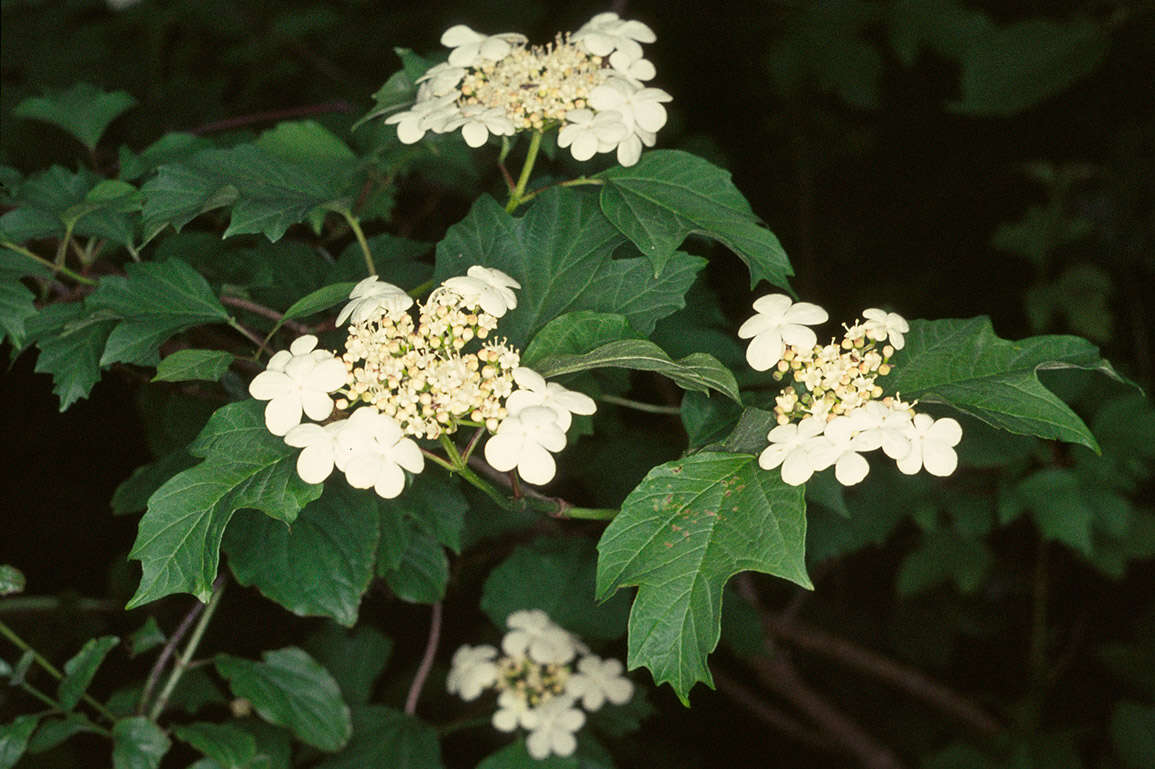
<point x="833" y="410"/>
<point x="540" y="686"/>
<point x="401" y="380"/>
<point x="590" y="83"/>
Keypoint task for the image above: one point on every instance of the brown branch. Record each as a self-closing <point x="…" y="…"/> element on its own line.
<point x="426" y="660"/>
<point x="166" y="654"/>
<point x="272" y="116"/>
<point x="754" y="704"/>
<point x="909" y="679"/>
<point x="265" y="312"/>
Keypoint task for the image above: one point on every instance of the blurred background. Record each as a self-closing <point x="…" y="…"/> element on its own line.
<point x="944" y="158"/>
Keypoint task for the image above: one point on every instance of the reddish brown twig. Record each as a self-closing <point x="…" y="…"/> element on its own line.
<point x="756" y="706"/>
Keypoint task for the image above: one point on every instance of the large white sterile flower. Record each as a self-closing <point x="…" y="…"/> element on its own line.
<point x="485" y="287"/>
<point x="780" y="321"/>
<point x="932" y="445"/>
<point x="790" y="447"/>
<point x="378" y="451"/>
<point x="371" y="298"/>
<point x="840" y="448"/>
<point x="881" y="325"/>
<point x="597" y="681"/>
<point x="634" y="70"/>
<point x="533" y="390"/>
<point x="608" y="32"/>
<point x="532" y="634"/>
<point x="470" y="47"/>
<point x="888" y="428"/>
<point x="472" y="670"/>
<point x="477" y="123"/>
<point x="321" y="449"/>
<point x="443" y="79"/>
<point x="641" y="107"/>
<point x="426" y="115"/>
<point x="557" y="720"/>
<point x="587" y="134"/>
<point x="513" y="711"/>
<point x="525" y="440"/>
<point x="301" y="383"/>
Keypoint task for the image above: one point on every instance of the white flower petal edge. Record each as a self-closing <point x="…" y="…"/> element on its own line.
<point x="525" y="441"/>
<point x="557" y="720"/>
<point x="371" y="298"/>
<point x="472" y="671"/>
<point x="779" y="321"/>
<point x="932" y="443"/>
<point x="300" y="385"/>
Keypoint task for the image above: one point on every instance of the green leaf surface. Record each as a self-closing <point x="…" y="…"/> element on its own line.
<point x="79" y="671"/>
<point x="193" y="365"/>
<point x="435" y="504"/>
<point x="309" y="144"/>
<point x="961" y="363"/>
<point x="387" y="738"/>
<point x="267" y="193"/>
<point x="11" y="580"/>
<point x="16" y="306"/>
<point x="317" y="301"/>
<point x="688" y="527"/>
<point x="178" y="540"/>
<point x="84" y="111"/>
<point x="147" y="637"/>
<point x="14" y="739"/>
<point x="138" y="743"/>
<point x="291" y="689"/>
<point x="355" y="658"/>
<point x="42" y="200"/>
<point x="560" y="251"/>
<point x="516" y="756"/>
<point x="1059" y="507"/>
<point x="54" y="731"/>
<point x="155" y="301"/>
<point x="1133" y="733"/>
<point x="556" y="575"/>
<point x="941" y="557"/>
<point x="1015" y="67"/>
<point x="228" y="746"/>
<point x="318" y="567"/>
<point x="170" y="148"/>
<point x="70" y="342"/>
<point x="423" y="573"/>
<point x="131" y="496"/>
<point x="670" y="194"/>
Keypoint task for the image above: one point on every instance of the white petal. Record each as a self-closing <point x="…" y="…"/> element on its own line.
<point x="459" y="35"/>
<point x="270" y="384"/>
<point x="501" y="451"/>
<point x="796" y="470"/>
<point x="629" y="151"/>
<point x="945" y="431"/>
<point x="765" y="351"/>
<point x="317" y="405"/>
<point x="410" y="131"/>
<point x="390" y="481"/>
<point x="939" y="459"/>
<point x="315" y="464"/>
<point x="282" y="414"/>
<point x="797" y="336"/>
<point x="584" y="146"/>
<point x="408" y="454"/>
<point x="851" y="468"/>
<point x="536" y="465"/>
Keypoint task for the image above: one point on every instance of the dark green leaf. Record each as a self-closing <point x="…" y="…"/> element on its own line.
<point x="944" y="556"/>
<point x="14" y="739"/>
<point x="83" y="110"/>
<point x="11" y="580"/>
<point x="401" y="87"/>
<point x="138" y="743"/>
<point x="560" y="251"/>
<point x="947" y="27"/>
<point x="708" y="419"/>
<point x="387" y="738"/>
<point x="963" y="364"/>
<point x="436" y="505"/>
<point x="70" y="342"/>
<point x="15" y="307"/>
<point x="1133" y="733"/>
<point x="191" y="365"/>
<point x="155" y="300"/>
<point x="670" y="194"/>
<point x="54" y="731"/>
<point x="1057" y="501"/>
<point x="79" y="670"/>
<point x="290" y="689"/>
<point x="686" y="529"/>
<point x="555" y="575"/>
<point x="423" y="572"/>
<point x="309" y="144"/>
<point x="316" y="301"/>
<point x="228" y="746"/>
<point x="516" y="756"/>
<point x="170" y="148"/>
<point x="320" y="566"/>
<point x="178" y="541"/>
<point x="148" y="636"/>
<point x="355" y="658"/>
<point x="1015" y="67"/>
<point x="577" y="332"/>
<point x="131" y="496"/>
<point x="43" y="198"/>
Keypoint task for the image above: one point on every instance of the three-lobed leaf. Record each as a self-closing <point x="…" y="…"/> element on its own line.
<point x="670" y="194"/>
<point x="84" y="111"/>
<point x="687" y="528"/>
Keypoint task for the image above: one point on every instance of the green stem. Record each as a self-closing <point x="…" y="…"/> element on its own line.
<point x="438" y="460"/>
<point x="31" y="603"/>
<point x="515" y="197"/>
<point x="182" y="662"/>
<point x="649" y="408"/>
<point x="261" y="345"/>
<point x="480" y="483"/>
<point x="8" y="633"/>
<point x="578" y="182"/>
<point x="62" y="247"/>
<point x="355" y="225"/>
<point x="421" y="289"/>
<point x="50" y="265"/>
<point x="591" y="513"/>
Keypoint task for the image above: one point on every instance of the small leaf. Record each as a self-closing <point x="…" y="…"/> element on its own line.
<point x="423" y="573"/>
<point x="11" y="580"/>
<point x="14" y="739"/>
<point x="16" y="306"/>
<point x="178" y="540"/>
<point x="79" y="671"/>
<point x="963" y="364"/>
<point x="386" y="737"/>
<point x="670" y="194"/>
<point x="230" y="747"/>
<point x="686" y="529"/>
<point x="317" y="301"/>
<point x="83" y="110"/>
<point x="138" y="743"/>
<point x="54" y="731"/>
<point x="319" y="567"/>
<point x="147" y="637"/>
<point x="70" y="342"/>
<point x="555" y="575"/>
<point x="290" y="689"/>
<point x="170" y="148"/>
<point x="577" y="332"/>
<point x="1057" y="501"/>
<point x="192" y="365"/>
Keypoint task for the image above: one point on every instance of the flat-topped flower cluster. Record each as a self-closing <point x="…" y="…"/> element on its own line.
<point x="544" y="676"/>
<point x="589" y="83"/>
<point x="833" y="410"/>
<point x="402" y="379"/>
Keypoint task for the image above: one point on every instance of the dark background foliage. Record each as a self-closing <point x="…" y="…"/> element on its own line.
<point x="882" y="188"/>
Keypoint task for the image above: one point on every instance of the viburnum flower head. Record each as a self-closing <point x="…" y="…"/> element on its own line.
<point x="470" y="48"/>
<point x="556" y="720"/>
<point x="881" y="325"/>
<point x="598" y="681"/>
<point x="297" y="383"/>
<point x="533" y="390"/>
<point x="485" y="287"/>
<point x="532" y="634"/>
<point x="779" y="321"/>
<point x="377" y="453"/>
<point x="472" y="671"/>
<point x="371" y="298"/>
<point x="525" y="440"/>
<point x="932" y="443"/>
